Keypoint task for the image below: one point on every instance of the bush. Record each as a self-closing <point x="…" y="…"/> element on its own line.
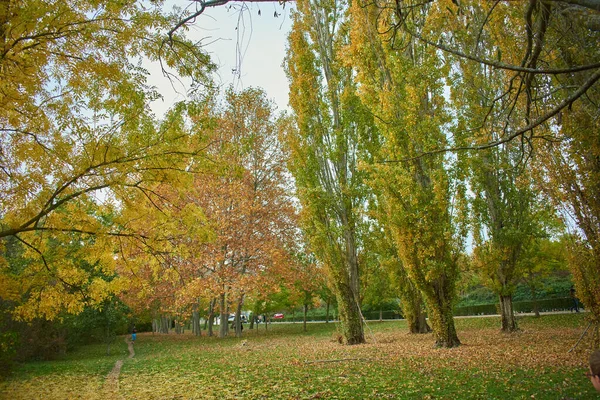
<point x="9" y="343"/>
<point x="560" y="304"/>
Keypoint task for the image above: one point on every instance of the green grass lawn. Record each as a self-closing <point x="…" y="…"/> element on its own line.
<point x="285" y="363"/>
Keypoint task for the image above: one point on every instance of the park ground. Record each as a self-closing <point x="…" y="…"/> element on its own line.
<point x="283" y="362"/>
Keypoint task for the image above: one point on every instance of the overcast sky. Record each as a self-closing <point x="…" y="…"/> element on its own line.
<point x="248" y="56"/>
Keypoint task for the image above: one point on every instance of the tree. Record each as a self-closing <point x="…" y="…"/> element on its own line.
<point x="79" y="140"/>
<point x="237" y="219"/>
<point x="305" y="280"/>
<point x="542" y="258"/>
<point x="569" y="177"/>
<point x="396" y="279"/>
<point x="532" y="44"/>
<point x="422" y="199"/>
<point x="505" y="221"/>
<point x="325" y="150"/>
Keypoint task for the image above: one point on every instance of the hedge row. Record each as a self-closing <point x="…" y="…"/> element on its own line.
<point x="545" y="305"/>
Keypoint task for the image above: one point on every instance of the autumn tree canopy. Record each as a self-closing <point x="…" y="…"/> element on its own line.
<point x="79" y="140"/>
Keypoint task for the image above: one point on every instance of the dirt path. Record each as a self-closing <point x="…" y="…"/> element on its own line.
<point x="111" y="386"/>
<point x="130" y="347"/>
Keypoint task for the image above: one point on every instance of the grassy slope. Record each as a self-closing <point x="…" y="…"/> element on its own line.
<point x="286" y="363"/>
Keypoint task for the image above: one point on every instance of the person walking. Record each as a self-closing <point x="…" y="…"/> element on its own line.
<point x="133" y="334"/>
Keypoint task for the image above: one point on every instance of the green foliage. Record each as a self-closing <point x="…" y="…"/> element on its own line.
<point x="99" y="324"/>
<point x="9" y="346"/>
<point x="549" y="288"/>
<point x="49" y="340"/>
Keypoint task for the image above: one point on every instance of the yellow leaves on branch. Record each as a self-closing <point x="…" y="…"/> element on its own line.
<point x="80" y="147"/>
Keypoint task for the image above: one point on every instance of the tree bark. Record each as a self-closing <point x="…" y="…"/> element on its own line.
<point x="444" y="331"/>
<point x="417" y="323"/>
<point x="224" y="327"/>
<point x="349" y="315"/>
<point x="509" y="323"/>
<point x="411" y="303"/>
<point x="536" y="307"/>
<point x="165" y="324"/>
<point x="238" y="317"/>
<point x="211" y="316"/>
<point x="251" y="326"/>
<point x="439" y="307"/>
<point x="196" y="321"/>
<point x="305" y="314"/>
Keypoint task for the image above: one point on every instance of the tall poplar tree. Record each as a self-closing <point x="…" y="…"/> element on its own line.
<point x="326" y="148"/>
<point x="402" y="82"/>
<point x="521" y="65"/>
<point x="504" y="221"/>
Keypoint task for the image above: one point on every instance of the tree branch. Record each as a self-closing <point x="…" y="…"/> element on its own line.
<point x="580" y="92"/>
<point x="501" y="65"/>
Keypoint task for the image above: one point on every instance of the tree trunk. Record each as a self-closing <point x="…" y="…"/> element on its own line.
<point x="224" y="327"/>
<point x="509" y="323"/>
<point x="238" y="317"/>
<point x="439" y="306"/>
<point x="536" y="307"/>
<point x="327" y="310"/>
<point x="211" y="317"/>
<point x="349" y="316"/>
<point x="305" y="315"/>
<point x="444" y="331"/>
<point x="411" y="302"/>
<point x="422" y="325"/>
<point x="196" y="321"/>
<point x="417" y="323"/>
<point x="380" y="315"/>
<point x="165" y="324"/>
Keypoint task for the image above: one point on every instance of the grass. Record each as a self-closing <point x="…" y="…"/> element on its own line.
<point x="286" y="363"/>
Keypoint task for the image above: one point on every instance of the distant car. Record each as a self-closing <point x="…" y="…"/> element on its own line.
<point x="278" y="316"/>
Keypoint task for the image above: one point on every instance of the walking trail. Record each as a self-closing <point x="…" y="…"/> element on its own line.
<point x="111" y="386"/>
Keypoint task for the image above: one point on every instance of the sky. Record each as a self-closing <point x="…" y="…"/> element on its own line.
<point x="247" y="47"/>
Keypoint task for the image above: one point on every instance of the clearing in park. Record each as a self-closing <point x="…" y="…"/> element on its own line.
<point x="282" y="362"/>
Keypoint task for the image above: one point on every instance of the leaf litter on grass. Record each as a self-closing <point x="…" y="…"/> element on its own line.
<point x="283" y="364"/>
